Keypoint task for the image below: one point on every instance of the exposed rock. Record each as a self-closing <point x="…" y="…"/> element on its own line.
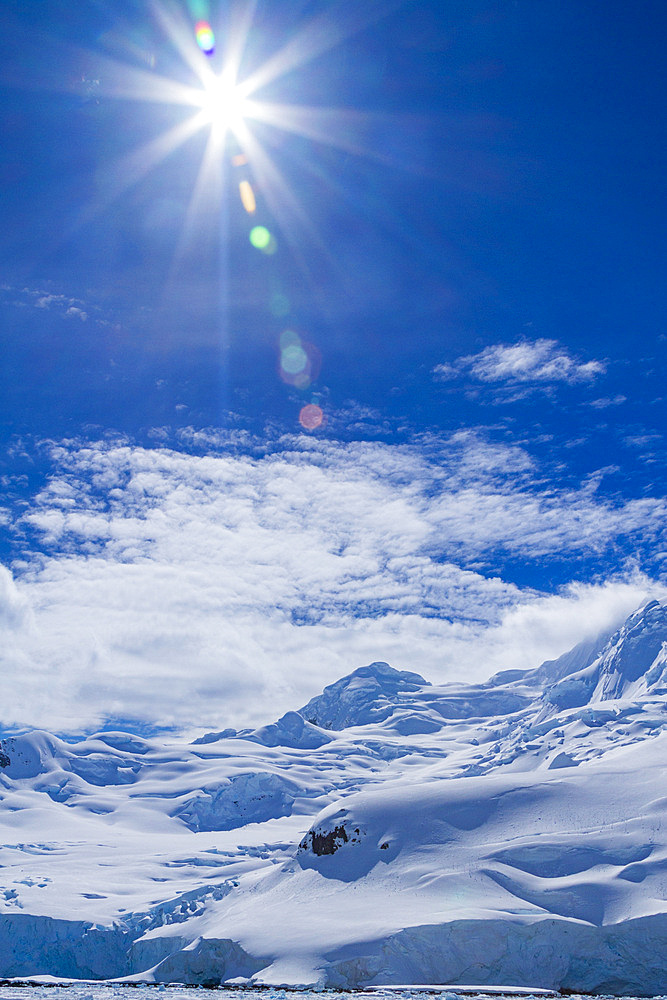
<point x="325" y="843"/>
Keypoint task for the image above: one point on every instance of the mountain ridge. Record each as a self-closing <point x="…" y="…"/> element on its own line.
<point x="524" y="815"/>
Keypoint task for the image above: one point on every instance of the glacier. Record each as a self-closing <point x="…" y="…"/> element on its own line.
<point x="390" y="831"/>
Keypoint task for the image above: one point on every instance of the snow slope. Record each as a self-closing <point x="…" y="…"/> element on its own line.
<point x="392" y="831"/>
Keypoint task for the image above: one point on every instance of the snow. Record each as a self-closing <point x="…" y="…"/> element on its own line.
<point x="510" y="834"/>
<point x="367" y="695"/>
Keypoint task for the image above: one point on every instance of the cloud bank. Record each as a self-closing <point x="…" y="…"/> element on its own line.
<point x="220" y="589"/>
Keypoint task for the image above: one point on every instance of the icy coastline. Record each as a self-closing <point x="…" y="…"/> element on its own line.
<point x="511" y="833"/>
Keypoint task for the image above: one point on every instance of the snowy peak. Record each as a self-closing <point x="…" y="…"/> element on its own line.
<point x="577" y="658"/>
<point x="630" y="665"/>
<point x="627" y="666"/>
<point x="291" y="730"/>
<point x="369" y="694"/>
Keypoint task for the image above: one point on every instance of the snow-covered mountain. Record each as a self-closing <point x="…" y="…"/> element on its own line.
<point x="390" y="831"/>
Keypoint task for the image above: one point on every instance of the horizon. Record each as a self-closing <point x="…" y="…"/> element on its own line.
<point x="341" y="344"/>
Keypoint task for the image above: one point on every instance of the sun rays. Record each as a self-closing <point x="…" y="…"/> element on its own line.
<point x="227" y="95"/>
<point x="211" y="133"/>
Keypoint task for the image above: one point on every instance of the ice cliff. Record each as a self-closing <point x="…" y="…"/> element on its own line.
<point x="511" y="832"/>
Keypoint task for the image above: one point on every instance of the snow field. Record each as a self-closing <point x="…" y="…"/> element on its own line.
<point x="512" y="833"/>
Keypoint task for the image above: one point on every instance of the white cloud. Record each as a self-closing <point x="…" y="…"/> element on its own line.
<point x="75" y="311"/>
<point x="61" y="303"/>
<point x="57" y="302"/>
<point x="641" y="440"/>
<point x="538" y="363"/>
<point x="14" y="606"/>
<point x="46" y="301"/>
<point x="560" y="621"/>
<point x="605" y="402"/>
<point x="224" y="589"/>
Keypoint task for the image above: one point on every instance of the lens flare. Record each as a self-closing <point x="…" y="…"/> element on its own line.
<point x="261" y="239"/>
<point x="288" y="338"/>
<point x="247" y="197"/>
<point x="205" y="37"/>
<point x="311" y="417"/>
<point x="299" y="362"/>
<point x="198" y="9"/>
<point x="294" y="359"/>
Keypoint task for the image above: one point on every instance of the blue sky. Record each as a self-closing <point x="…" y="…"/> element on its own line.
<point x="465" y="203"/>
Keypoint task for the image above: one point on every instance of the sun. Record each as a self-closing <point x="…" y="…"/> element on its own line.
<point x="217" y="94"/>
<point x="224" y="107"/>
